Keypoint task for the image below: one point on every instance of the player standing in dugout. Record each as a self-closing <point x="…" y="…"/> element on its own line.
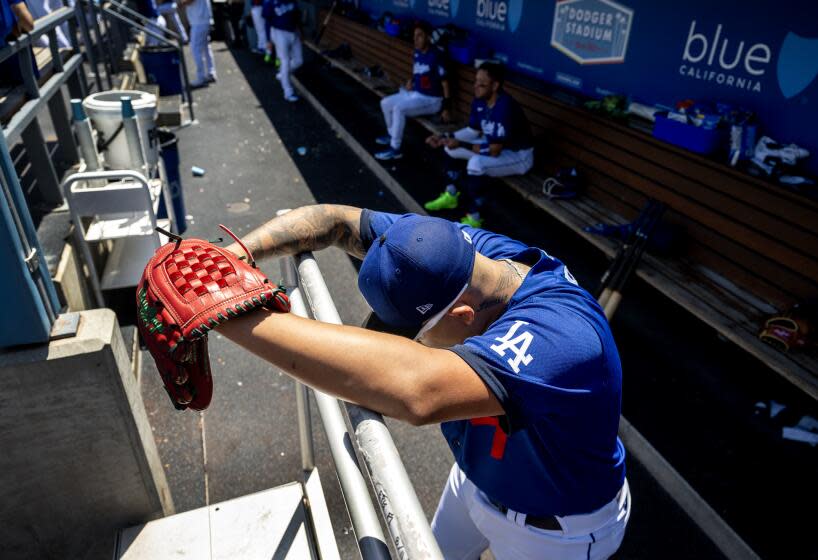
<point x="513" y="358"/>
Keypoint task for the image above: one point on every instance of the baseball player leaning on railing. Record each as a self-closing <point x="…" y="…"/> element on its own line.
<point x="512" y="357"/>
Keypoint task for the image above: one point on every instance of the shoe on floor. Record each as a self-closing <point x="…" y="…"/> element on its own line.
<point x="199" y="85"/>
<point x="473" y="220"/>
<point x="388" y="154"/>
<point x="383" y="140"/>
<point x="212" y="79"/>
<point x="446" y="201"/>
<point x="292" y="98"/>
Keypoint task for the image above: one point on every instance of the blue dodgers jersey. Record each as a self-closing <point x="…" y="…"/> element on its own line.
<point x="428" y="73"/>
<point x="147" y="8"/>
<point x="281" y="14"/>
<point x="552" y="362"/>
<point x="505" y="123"/>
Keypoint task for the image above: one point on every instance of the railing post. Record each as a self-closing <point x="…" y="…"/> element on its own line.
<point x="67" y="153"/>
<point x="289" y="280"/>
<point x="186" y="78"/>
<point x="48" y="186"/>
<point x="100" y="42"/>
<point x="86" y="39"/>
<point x="410" y="531"/>
<point x="26" y="62"/>
<point x="368" y="531"/>
<point x="23" y="237"/>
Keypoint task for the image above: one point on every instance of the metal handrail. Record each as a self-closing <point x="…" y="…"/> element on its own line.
<point x="151" y="32"/>
<point x="140" y="18"/>
<point x="405" y="520"/>
<point x="41" y="26"/>
<point x="371" y="540"/>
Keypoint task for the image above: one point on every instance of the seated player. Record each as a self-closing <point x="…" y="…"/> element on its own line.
<point x="425" y="93"/>
<point x="496" y="143"/>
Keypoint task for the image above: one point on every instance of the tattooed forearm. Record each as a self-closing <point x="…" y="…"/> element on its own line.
<point x="310" y="228"/>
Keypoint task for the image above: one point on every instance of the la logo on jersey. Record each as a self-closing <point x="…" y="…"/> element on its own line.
<point x="516" y="344"/>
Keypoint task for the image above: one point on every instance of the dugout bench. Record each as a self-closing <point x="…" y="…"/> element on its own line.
<point x="751" y="247"/>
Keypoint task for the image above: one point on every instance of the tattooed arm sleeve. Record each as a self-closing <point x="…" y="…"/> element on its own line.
<point x="309" y="228"/>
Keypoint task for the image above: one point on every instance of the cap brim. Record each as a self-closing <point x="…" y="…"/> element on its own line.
<point x="435" y="319"/>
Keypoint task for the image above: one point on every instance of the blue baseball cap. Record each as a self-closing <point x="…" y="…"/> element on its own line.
<point x="416" y="270"/>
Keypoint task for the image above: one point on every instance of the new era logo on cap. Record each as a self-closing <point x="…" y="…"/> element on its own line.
<point x="422" y="309"/>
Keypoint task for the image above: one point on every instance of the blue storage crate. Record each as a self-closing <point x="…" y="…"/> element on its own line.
<point x="694" y="138"/>
<point x="392" y="28"/>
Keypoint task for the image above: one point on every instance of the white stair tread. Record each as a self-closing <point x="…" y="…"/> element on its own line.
<point x="264" y="525"/>
<point x="127" y="261"/>
<point x="118" y="226"/>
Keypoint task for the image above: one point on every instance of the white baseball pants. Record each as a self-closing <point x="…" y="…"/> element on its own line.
<point x="288" y="50"/>
<point x="466" y="524"/>
<point x="202" y="53"/>
<point x="406" y="104"/>
<point x="509" y="162"/>
<point x="260" y="26"/>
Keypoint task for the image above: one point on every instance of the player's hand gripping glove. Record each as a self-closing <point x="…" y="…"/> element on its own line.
<point x="190" y="286"/>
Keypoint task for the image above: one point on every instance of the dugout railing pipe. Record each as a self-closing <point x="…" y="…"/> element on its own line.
<point x="123" y="14"/>
<point x="368" y="533"/>
<point x="409" y="531"/>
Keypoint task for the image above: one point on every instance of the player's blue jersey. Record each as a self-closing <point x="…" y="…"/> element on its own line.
<point x="552" y="363"/>
<point x="428" y="72"/>
<point x="147" y="8"/>
<point x="505" y="123"/>
<point x="281" y="14"/>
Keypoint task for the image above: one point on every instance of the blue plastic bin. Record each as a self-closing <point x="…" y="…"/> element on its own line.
<point x="466" y="51"/>
<point x="392" y="28"/>
<point x="694" y="138"/>
<point x="163" y="68"/>
<point x="169" y="151"/>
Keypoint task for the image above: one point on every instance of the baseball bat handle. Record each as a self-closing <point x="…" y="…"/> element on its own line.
<point x="612" y="304"/>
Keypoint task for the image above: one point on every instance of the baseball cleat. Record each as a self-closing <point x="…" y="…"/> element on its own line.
<point x="446" y="201"/>
<point x="473" y="220"/>
<point x="388" y="154"/>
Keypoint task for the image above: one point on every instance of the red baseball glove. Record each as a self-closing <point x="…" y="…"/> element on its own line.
<point x="188" y="287"/>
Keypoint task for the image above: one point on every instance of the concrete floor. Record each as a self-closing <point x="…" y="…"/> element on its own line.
<point x="679" y="377"/>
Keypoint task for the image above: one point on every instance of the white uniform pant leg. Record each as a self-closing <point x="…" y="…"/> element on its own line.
<point x="202" y="53"/>
<point x="410" y="104"/>
<point x="454" y="530"/>
<point x="284" y="42"/>
<point x="509" y="162"/>
<point x="260" y="26"/>
<point x="387" y="104"/>
<point x="465" y="135"/>
<point x="296" y="53"/>
<point x="466" y="522"/>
